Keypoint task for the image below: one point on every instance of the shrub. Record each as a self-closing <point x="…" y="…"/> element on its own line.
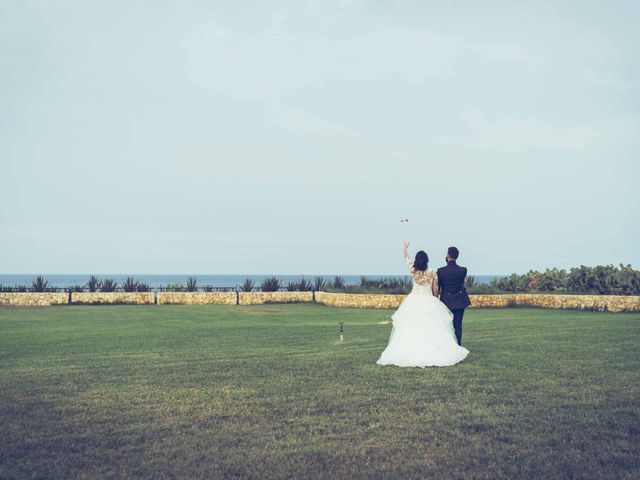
<point x="130" y="285"/>
<point x="192" y="284"/>
<point x="470" y="281"/>
<point x="208" y="288"/>
<point x="599" y="280"/>
<point x="143" y="287"/>
<point x="319" y="284"/>
<point x="39" y="284"/>
<point x="175" y="287"/>
<point x="387" y="285"/>
<point x="304" y="285"/>
<point x="75" y="288"/>
<point x="108" y="285"/>
<point x="248" y="285"/>
<point x="270" y="284"/>
<point x="513" y="283"/>
<point x="548" y="281"/>
<point x="338" y="282"/>
<point x="622" y="280"/>
<point x="93" y="284"/>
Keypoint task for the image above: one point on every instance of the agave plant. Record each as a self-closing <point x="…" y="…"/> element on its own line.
<point x="270" y="284"/>
<point x="143" y="287"/>
<point x="208" y="288"/>
<point x="93" y="284"/>
<point x="130" y="285"/>
<point x="470" y="281"/>
<point x="108" y="285"/>
<point x="248" y="285"/>
<point x="192" y="284"/>
<point x="39" y="284"/>
<point x="292" y="286"/>
<point x="304" y="285"/>
<point x="367" y="282"/>
<point x="338" y="282"/>
<point x="319" y="283"/>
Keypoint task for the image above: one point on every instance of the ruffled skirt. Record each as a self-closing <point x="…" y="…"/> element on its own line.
<point x="422" y="335"/>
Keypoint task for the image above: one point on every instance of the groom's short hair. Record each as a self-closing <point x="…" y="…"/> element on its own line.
<point x="453" y="252"/>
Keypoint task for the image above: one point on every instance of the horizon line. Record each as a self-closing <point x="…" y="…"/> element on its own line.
<point x="238" y="274"/>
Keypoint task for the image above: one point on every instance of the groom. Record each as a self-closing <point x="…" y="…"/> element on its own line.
<point x="452" y="290"/>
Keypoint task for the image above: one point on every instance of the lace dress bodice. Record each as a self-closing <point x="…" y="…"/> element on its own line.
<point x="422" y="279"/>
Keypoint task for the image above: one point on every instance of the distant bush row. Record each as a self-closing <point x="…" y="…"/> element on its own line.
<point x="271" y="284"/>
<point x="338" y="284"/>
<point x="389" y="285"/>
<point x="39" y="284"/>
<point x="600" y="280"/>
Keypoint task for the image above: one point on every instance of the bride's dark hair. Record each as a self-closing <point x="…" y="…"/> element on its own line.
<point x="422" y="260"/>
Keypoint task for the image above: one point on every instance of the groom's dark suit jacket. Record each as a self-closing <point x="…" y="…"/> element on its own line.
<point x="452" y="290"/>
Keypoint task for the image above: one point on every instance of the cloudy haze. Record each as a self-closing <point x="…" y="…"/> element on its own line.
<point x="292" y="137"/>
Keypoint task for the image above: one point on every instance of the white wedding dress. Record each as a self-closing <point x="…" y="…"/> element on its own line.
<point x="422" y="334"/>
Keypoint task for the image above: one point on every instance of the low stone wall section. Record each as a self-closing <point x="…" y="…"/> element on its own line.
<point x="359" y="300"/>
<point x="30" y="299"/>
<point x="135" y="298"/>
<point x="600" y="303"/>
<point x="254" y="298"/>
<point x="197" y="298"/>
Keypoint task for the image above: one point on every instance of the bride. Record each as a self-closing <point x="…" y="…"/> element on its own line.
<point x="422" y="334"/>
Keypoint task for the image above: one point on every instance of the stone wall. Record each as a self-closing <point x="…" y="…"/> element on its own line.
<point x="197" y="298"/>
<point x="601" y="303"/>
<point x="136" y="298"/>
<point x="252" y="298"/>
<point x="33" y="298"/>
<point x="359" y="300"/>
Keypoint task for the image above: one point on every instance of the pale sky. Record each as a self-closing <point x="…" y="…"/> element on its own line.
<point x="292" y="137"/>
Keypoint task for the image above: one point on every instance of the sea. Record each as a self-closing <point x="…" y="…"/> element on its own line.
<point x="218" y="281"/>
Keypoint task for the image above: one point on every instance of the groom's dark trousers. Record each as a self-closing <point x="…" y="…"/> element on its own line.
<point x="457" y="323"/>
<point x="454" y="294"/>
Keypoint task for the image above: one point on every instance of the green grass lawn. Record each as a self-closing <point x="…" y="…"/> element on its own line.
<point x="269" y="391"/>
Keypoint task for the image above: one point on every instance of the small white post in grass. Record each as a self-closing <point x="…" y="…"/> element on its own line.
<point x="341" y="331"/>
